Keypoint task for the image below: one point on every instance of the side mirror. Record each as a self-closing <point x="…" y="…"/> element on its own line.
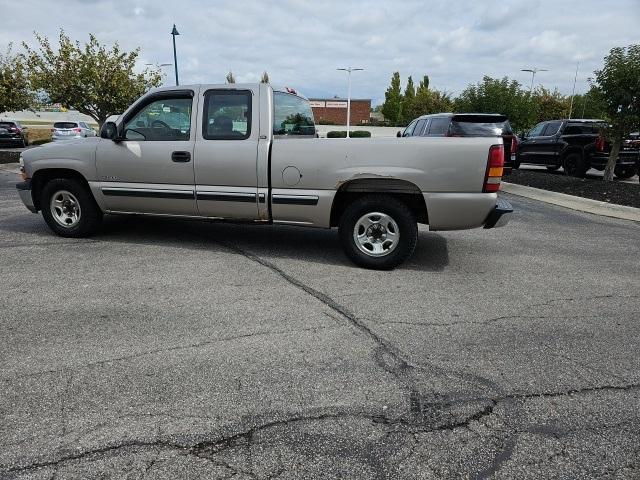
<point x="399" y="134"/>
<point x="109" y="131"/>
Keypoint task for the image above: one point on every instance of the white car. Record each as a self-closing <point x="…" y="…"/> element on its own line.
<point x="69" y="130"/>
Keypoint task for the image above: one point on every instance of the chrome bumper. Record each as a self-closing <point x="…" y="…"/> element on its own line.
<point x="500" y="215"/>
<point x="24" y="190"/>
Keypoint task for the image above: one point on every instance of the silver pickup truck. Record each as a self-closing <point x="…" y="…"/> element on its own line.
<point x="251" y="153"/>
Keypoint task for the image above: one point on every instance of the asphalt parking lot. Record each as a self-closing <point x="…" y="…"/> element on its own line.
<point x="182" y="349"/>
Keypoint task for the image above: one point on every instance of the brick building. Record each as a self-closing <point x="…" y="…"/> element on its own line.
<point x="334" y="110"/>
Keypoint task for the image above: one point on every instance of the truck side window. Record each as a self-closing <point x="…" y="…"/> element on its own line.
<point x="438" y="126"/>
<point x="292" y="115"/>
<point x="409" y="130"/>
<point x="552" y="129"/>
<point x="227" y="115"/>
<point x="537" y="130"/>
<point x="166" y="119"/>
<point x="419" y="128"/>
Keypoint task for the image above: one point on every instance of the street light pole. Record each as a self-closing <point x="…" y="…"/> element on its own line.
<point x="533" y="71"/>
<point x="349" y="70"/>
<point x="174" y="32"/>
<point x="573" y="92"/>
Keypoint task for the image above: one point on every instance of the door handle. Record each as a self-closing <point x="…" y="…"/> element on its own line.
<point x="181" y="157"/>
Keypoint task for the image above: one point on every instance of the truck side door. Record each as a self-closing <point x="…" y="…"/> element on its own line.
<point x="226" y="153"/>
<point x="150" y="169"/>
<point x="528" y="150"/>
<point x="549" y="144"/>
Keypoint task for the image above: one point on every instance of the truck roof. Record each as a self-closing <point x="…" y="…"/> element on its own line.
<point x="228" y="86"/>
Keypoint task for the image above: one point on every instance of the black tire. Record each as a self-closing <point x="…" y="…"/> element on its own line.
<point x="24" y="142"/>
<point x="624" y="171"/>
<point x="574" y="165"/>
<point x="553" y="168"/>
<point x="89" y="217"/>
<point x="398" y="212"/>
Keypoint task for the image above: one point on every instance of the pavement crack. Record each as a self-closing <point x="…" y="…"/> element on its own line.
<point x="399" y="362"/>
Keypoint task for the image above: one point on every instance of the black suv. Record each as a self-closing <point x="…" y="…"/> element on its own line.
<point x="466" y="125"/>
<point x="13" y="133"/>
<point x="576" y="146"/>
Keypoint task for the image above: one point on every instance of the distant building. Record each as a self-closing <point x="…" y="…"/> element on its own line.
<point x="334" y="110"/>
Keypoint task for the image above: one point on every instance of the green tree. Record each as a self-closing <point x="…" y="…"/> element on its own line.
<point x="550" y="105"/>
<point x="392" y="106"/>
<point x="265" y="77"/>
<point x="91" y="78"/>
<point x="619" y="83"/>
<point x="230" y="78"/>
<point x="504" y="96"/>
<point x="423" y="85"/>
<point x="408" y="102"/>
<point x="15" y="91"/>
<point x="589" y="105"/>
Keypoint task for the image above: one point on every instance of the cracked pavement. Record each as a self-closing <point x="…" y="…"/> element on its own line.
<point x="182" y="349"/>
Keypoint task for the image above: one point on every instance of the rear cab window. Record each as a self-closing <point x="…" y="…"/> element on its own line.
<point x="227" y="115"/>
<point x="551" y="129"/>
<point x="480" y="126"/>
<point x="438" y="126"/>
<point x="292" y="116"/>
<point x="65" y="125"/>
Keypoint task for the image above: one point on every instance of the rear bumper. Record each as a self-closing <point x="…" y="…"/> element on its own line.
<point x="624" y="158"/>
<point x="500" y="215"/>
<point x="24" y="190"/>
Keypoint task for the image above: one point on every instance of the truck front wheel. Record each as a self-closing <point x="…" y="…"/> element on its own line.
<point x="69" y="209"/>
<point x="378" y="231"/>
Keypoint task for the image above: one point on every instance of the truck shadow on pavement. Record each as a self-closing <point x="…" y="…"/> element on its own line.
<point x="269" y="241"/>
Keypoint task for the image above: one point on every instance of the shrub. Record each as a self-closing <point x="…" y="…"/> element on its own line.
<point x="353" y="134"/>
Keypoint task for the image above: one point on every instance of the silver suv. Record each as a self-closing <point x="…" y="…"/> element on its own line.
<point x="71" y="130"/>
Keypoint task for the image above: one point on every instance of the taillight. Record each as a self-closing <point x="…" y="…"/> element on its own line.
<point x="77" y="130"/>
<point x="495" y="165"/>
<point x="600" y="144"/>
<point x="53" y="130"/>
<point x="514" y="145"/>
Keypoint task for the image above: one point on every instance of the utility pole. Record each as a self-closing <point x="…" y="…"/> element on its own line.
<point x="573" y="92"/>
<point x="174" y="32"/>
<point x="349" y="70"/>
<point x="533" y="71"/>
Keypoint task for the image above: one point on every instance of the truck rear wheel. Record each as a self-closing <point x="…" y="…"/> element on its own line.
<point x="378" y="232"/>
<point x="624" y="171"/>
<point x="574" y="165"/>
<point x="69" y="209"/>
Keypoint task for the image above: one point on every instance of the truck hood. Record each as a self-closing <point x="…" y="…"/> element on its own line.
<point x="76" y="149"/>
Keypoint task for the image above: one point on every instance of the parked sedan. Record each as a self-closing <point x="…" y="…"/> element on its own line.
<point x="69" y="130"/>
<point x="13" y="133"/>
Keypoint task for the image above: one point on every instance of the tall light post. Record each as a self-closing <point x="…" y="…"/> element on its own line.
<point x="349" y="70"/>
<point x="174" y="32"/>
<point x="573" y="92"/>
<point x="533" y="71"/>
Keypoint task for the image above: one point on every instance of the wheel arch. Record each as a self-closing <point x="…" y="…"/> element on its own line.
<point x="42" y="176"/>
<point x="403" y="190"/>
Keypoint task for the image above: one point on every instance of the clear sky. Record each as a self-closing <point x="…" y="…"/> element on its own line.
<point x="301" y="43"/>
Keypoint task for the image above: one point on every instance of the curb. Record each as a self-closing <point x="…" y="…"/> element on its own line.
<point x="580" y="204"/>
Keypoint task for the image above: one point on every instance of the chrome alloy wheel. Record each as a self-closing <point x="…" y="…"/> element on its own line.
<point x="376" y="234"/>
<point x="65" y="208"/>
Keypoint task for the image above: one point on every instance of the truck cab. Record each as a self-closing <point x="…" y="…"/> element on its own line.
<point x="249" y="153"/>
